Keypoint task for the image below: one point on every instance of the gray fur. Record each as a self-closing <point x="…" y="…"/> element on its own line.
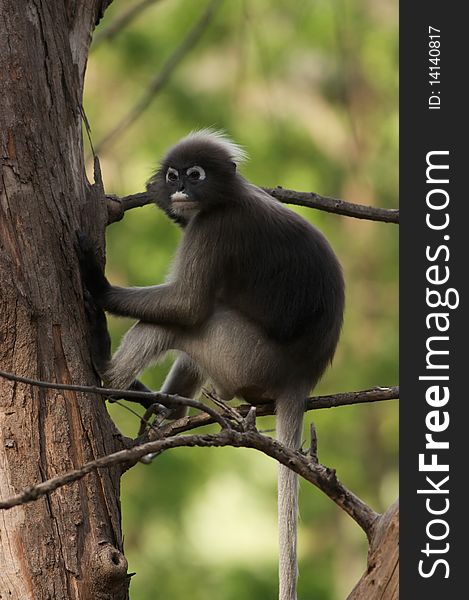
<point x="254" y="302"/>
<point x="290" y="411"/>
<point x="185" y="378"/>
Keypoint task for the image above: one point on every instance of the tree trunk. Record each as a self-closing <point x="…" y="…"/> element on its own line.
<point x="69" y="544"/>
<point x="381" y="579"/>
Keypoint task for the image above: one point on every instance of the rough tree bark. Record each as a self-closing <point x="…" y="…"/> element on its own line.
<point x="69" y="545"/>
<point x="381" y="579"/>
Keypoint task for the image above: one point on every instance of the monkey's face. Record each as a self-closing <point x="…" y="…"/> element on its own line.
<point x="197" y="175"/>
<point x="185" y="187"/>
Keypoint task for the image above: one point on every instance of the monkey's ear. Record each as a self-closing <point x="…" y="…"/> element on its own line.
<point x="234" y="166"/>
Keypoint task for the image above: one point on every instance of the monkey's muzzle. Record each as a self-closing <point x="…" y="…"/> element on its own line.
<point x="182" y="204"/>
<point x="180" y="197"/>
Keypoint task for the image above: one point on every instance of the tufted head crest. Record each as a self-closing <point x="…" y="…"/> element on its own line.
<point x="206" y="144"/>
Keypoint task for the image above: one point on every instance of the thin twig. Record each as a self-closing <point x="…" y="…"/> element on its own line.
<point x="117" y="206"/>
<point x="320" y="476"/>
<point x="231" y="412"/>
<point x="250" y="419"/>
<point x="163" y="76"/>
<point x="375" y="394"/>
<point x="121" y="21"/>
<point x="313" y="403"/>
<point x="166" y="399"/>
<point x="144" y="422"/>
<point x="334" y="205"/>
<point x="313" y="449"/>
<point x="378" y="394"/>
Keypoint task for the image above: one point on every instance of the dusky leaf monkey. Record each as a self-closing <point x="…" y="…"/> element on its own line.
<point x="254" y="302"/>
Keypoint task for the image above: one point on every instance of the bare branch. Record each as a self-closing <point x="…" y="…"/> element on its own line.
<point x="320" y="476"/>
<point x="165" y="399"/>
<point x="313" y="449"/>
<point x="375" y="394"/>
<point x="334" y="205"/>
<point x="381" y="394"/>
<point x="121" y="21"/>
<point x="117" y="206"/>
<point x="263" y="408"/>
<point x="305" y="465"/>
<point x="250" y="419"/>
<point x="163" y="76"/>
<point x="230" y="411"/>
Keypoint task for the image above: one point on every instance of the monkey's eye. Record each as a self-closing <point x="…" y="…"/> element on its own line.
<point x="171" y="175"/>
<point x="196" y="173"/>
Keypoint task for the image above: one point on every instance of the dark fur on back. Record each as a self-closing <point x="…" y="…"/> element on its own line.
<point x="278" y="271"/>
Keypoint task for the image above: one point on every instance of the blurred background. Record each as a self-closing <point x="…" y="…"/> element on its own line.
<point x="309" y="88"/>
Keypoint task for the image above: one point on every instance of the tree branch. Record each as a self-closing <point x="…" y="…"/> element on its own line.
<point x="320" y="476"/>
<point x="238" y="432"/>
<point x="263" y="408"/>
<point x="117" y="206"/>
<point x="334" y="205"/>
<point x="165" y="399"/>
<point x="313" y="403"/>
<point x="163" y="76"/>
<point x="120" y="22"/>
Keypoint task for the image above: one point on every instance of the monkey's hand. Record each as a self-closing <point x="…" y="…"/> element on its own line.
<point x="92" y="274"/>
<point x="100" y="341"/>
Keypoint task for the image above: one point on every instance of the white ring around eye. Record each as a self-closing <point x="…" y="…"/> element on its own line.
<point x="171" y="175"/>
<point x="196" y="169"/>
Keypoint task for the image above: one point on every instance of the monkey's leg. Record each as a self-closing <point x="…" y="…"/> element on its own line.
<point x="185" y="379"/>
<point x="142" y="345"/>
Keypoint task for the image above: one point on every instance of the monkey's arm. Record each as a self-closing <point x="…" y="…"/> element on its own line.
<point x="185" y="302"/>
<point x="167" y="304"/>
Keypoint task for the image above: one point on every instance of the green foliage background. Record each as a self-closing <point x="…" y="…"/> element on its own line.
<point x="309" y="88"/>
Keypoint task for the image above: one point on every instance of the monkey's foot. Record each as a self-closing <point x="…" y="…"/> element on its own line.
<point x="159" y="413"/>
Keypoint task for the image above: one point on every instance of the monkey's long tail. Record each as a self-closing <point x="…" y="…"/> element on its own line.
<point x="289" y="430"/>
